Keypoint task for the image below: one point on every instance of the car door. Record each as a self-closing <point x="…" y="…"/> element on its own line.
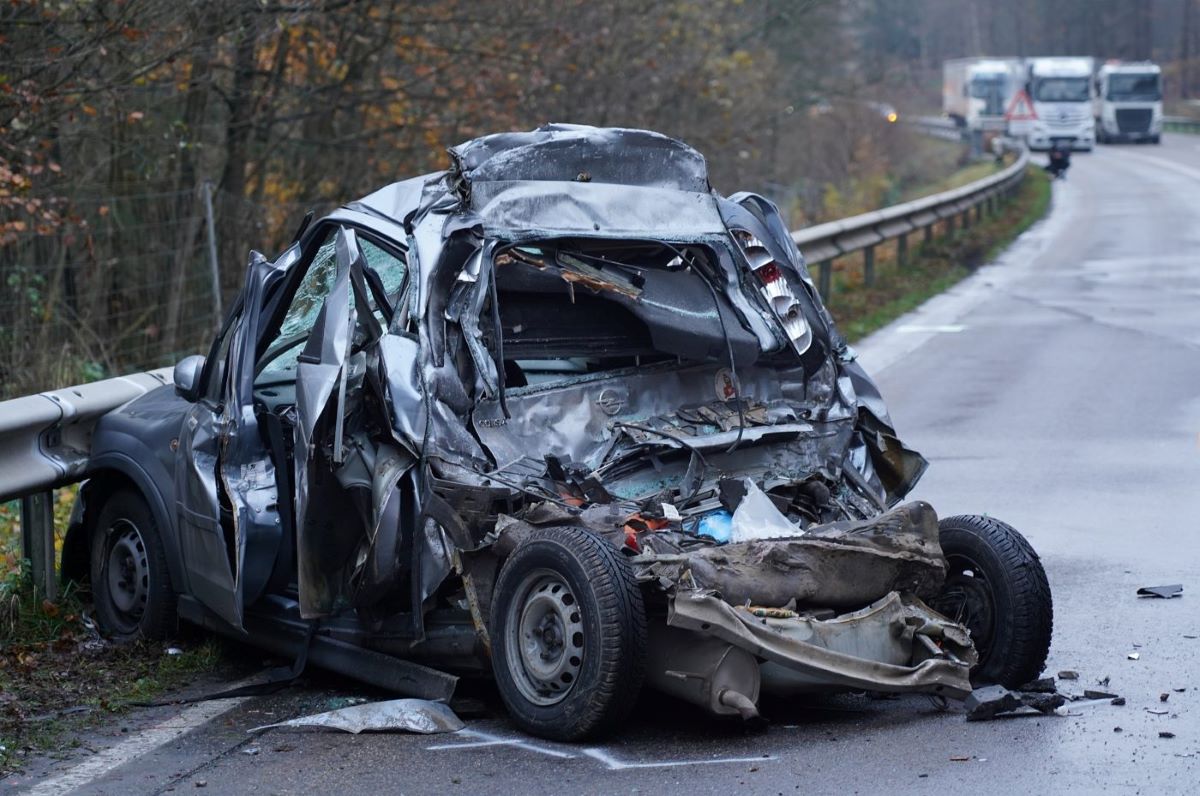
<point x="227" y="504"/>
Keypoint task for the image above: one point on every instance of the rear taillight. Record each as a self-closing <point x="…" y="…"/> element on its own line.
<point x="775" y="289"/>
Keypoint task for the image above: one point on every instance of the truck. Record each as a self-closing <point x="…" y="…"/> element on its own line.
<point x="977" y="91"/>
<point x="1060" y="89"/>
<point x="1128" y="102"/>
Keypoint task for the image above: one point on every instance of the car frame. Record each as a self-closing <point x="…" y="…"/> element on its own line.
<point x="498" y="419"/>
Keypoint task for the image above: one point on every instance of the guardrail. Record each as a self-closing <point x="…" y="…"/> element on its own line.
<point x="1181" y="124"/>
<point x="823" y="243"/>
<point x="45" y="439"/>
<point x="935" y="126"/>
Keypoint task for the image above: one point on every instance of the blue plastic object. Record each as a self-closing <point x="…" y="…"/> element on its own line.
<point x="717" y="526"/>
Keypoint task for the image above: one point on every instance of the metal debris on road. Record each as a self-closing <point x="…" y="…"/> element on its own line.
<point x="992" y="701"/>
<point x="1119" y="701"/>
<point x="1165" y="734"/>
<point x="1163" y="592"/>
<point x="1068" y="674"/>
<point x="1163" y="697"/>
<point x="1090" y="694"/>
<point x="1133" y="656"/>
<point x="1043" y="685"/>
<point x="409" y="715"/>
<point x="1157" y="711"/>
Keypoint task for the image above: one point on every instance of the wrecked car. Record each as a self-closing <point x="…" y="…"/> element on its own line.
<point x="561" y="415"/>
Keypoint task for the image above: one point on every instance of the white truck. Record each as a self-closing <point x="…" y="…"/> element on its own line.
<point x="1061" y="91"/>
<point x="1128" y="103"/>
<point x="977" y="91"/>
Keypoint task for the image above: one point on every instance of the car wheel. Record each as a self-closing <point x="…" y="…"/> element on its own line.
<point x="131" y="586"/>
<point x="1156" y="139"/>
<point x="568" y="635"/>
<point x="996" y="587"/>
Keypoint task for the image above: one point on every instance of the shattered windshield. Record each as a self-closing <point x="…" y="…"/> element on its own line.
<point x="280" y="360"/>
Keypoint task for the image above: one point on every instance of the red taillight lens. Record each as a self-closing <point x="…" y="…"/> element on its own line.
<point x="769" y="273"/>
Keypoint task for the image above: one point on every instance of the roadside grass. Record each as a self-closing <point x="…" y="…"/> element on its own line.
<point x="53" y="692"/>
<point x="932" y="267"/>
<point x="58" y="677"/>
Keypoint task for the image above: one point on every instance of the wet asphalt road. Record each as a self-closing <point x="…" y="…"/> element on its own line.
<point x="1059" y="390"/>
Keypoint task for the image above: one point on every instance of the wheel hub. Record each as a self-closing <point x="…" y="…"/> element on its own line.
<point x="967" y="598"/>
<point x="128" y="571"/>
<point x="545" y="631"/>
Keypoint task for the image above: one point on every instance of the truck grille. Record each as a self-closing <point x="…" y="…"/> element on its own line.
<point x="1134" y="120"/>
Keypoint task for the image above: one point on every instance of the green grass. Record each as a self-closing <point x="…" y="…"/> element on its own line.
<point x="933" y="268"/>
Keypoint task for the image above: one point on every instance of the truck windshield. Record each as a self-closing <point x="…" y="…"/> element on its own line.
<point x="1134" y="88"/>
<point x="1061" y="89"/>
<point x="991" y="90"/>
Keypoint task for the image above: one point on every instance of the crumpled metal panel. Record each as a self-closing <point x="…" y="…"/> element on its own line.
<point x="320" y="373"/>
<point x="421" y="716"/>
<point x="884" y="656"/>
<point x="566" y="152"/>
<point x="840" y="565"/>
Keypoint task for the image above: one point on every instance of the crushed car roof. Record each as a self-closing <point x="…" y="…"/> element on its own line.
<point x="569" y="180"/>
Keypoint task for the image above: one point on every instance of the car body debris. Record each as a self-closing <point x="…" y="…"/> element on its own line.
<point x="561" y="414"/>
<point x="994" y="701"/>
<point x="397" y="715"/>
<point x="1161" y="592"/>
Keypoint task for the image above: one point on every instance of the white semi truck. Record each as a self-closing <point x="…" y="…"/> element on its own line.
<point x="1128" y="102"/>
<point x="1061" y="91"/>
<point x="976" y="91"/>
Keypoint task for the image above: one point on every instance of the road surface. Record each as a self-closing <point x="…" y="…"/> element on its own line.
<point x="1058" y="389"/>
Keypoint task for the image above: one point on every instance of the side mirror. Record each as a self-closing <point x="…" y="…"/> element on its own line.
<point x="187" y="377"/>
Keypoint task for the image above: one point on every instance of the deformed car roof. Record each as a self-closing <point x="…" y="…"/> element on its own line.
<point x="570" y="180"/>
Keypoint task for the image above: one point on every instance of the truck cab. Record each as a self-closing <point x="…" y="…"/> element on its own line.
<point x="1128" y="103"/>
<point x="977" y="91"/>
<point x="1061" y="92"/>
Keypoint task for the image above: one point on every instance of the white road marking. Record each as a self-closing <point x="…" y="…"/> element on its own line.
<point x="892" y="343"/>
<point x="487" y="739"/>
<point x="133" y="747"/>
<point x="613" y="764"/>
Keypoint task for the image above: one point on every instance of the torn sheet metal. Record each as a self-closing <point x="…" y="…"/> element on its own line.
<point x="838" y="565"/>
<point x="875" y="649"/>
<point x="397" y="715"/>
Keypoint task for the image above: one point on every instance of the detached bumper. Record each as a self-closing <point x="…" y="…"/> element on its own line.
<point x="895" y="645"/>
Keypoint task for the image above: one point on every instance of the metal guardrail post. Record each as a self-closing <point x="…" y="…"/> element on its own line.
<point x="37" y="541"/>
<point x="825" y="280"/>
<point x="927" y="237"/>
<point x="869" y="266"/>
<point x="902" y="251"/>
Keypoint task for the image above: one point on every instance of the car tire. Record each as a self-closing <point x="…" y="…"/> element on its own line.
<point x="996" y="586"/>
<point x="131" y="586"/>
<point x="568" y="633"/>
<point x="1156" y="139"/>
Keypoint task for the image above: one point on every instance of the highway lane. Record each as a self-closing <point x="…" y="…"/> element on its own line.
<point x="1058" y="389"/>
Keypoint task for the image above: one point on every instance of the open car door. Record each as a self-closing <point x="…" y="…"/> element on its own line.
<point x="226" y="487"/>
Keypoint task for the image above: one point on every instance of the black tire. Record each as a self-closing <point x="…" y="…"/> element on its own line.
<point x="591" y="660"/>
<point x="131" y="586"/>
<point x="996" y="586"/>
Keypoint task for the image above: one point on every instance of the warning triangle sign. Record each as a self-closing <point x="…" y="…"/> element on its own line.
<point x="1020" y="109"/>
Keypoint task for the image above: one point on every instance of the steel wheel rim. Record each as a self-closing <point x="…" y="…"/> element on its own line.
<point x="544" y="638"/>
<point x="968" y="599"/>
<point x="127" y="572"/>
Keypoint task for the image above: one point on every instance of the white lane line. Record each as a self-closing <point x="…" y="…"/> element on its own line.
<point x="487" y="739"/>
<point x="133" y="747"/>
<point x="613" y="764"/>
